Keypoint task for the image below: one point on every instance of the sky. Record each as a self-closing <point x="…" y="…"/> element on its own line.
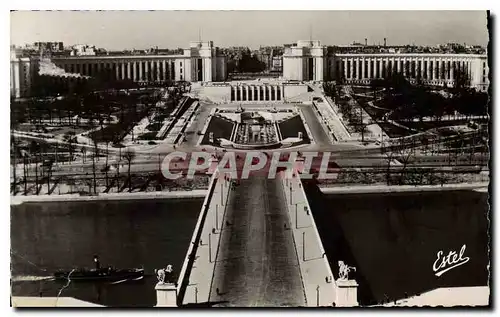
<point x="116" y="30"/>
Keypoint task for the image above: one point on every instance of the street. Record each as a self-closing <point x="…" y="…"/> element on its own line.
<point x="257" y="264"/>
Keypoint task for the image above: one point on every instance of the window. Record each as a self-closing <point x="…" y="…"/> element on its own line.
<point x="181" y="64"/>
<point x="181" y="70"/>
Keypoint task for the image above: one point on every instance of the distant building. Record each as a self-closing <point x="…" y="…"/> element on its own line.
<point x="310" y="61"/>
<point x="271" y="56"/>
<point x="49" y="46"/>
<point x="304" y="61"/>
<point x="277" y="63"/>
<point x="83" y="50"/>
<point x="201" y="62"/>
<point x="22" y="72"/>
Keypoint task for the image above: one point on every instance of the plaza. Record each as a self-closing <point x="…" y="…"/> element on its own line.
<point x="251" y="127"/>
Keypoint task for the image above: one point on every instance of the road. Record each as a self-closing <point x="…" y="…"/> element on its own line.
<point x="257" y="263"/>
<point x="345" y="154"/>
<point x="316" y="128"/>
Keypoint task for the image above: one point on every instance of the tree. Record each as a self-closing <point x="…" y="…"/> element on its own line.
<point x="389" y="155"/>
<point x="101" y="121"/>
<point x="48" y="165"/>
<point x="106" y="168"/>
<point x="84" y="153"/>
<point x="129" y="156"/>
<point x="249" y="63"/>
<point x="95" y="142"/>
<point x="71" y="146"/>
<point x="14" y="146"/>
<point x="461" y="79"/>
<point x="361" y="128"/>
<point x="35" y="151"/>
<point x="404" y="159"/>
<point x="25" y="174"/>
<point x="330" y="90"/>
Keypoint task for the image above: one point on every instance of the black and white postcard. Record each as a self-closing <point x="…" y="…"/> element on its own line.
<point x="250" y="159"/>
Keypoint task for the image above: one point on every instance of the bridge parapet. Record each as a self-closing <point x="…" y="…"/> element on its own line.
<point x="320" y="286"/>
<point x="196" y="275"/>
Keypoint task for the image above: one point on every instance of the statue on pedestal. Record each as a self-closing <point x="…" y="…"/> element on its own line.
<point x="344" y="270"/>
<point x="165" y="275"/>
<point x="160" y="274"/>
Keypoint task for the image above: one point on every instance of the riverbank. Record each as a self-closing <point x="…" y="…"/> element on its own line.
<point x="366" y="189"/>
<point x="197" y="193"/>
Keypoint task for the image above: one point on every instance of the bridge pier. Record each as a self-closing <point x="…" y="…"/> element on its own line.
<point x="166" y="295"/>
<point x="347" y="293"/>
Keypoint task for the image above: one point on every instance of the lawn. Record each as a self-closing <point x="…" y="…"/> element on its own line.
<point x="221" y="128"/>
<point x="290" y="128"/>
<point x="393" y="131"/>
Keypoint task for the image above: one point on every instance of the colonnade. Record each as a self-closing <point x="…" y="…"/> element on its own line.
<point x="257" y="93"/>
<point x="136" y="70"/>
<point x="424" y="67"/>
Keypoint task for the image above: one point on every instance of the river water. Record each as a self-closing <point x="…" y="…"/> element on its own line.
<point x="61" y="235"/>
<point x="393" y="239"/>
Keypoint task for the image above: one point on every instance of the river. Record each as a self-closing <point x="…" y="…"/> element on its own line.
<point x="62" y="235"/>
<point x="393" y="239"/>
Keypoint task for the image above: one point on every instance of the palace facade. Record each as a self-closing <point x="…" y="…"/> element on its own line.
<point x="310" y="61"/>
<point x="202" y="62"/>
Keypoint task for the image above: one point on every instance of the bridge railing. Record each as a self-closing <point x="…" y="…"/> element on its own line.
<point x="196" y="275"/>
<point x="189" y="259"/>
<point x="317" y="277"/>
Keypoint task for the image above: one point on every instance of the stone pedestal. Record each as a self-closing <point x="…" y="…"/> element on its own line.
<point x="166" y="295"/>
<point x="347" y="293"/>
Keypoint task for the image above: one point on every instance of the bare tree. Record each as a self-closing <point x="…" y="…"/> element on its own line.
<point x="84" y="152"/>
<point x="389" y="155"/>
<point x="101" y="121"/>
<point x="25" y="175"/>
<point x="95" y="142"/>
<point x="89" y="183"/>
<point x="106" y="168"/>
<point x="14" y="162"/>
<point x="34" y="149"/>
<point x="404" y="159"/>
<point x="71" y="147"/>
<point x="118" y="172"/>
<point x="48" y="165"/>
<point x="129" y="156"/>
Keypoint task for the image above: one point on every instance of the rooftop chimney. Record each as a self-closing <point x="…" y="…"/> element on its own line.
<point x="385" y="42"/>
<point x="366" y="42"/>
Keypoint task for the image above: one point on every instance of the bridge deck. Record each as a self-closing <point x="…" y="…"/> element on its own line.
<point x="257" y="264"/>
